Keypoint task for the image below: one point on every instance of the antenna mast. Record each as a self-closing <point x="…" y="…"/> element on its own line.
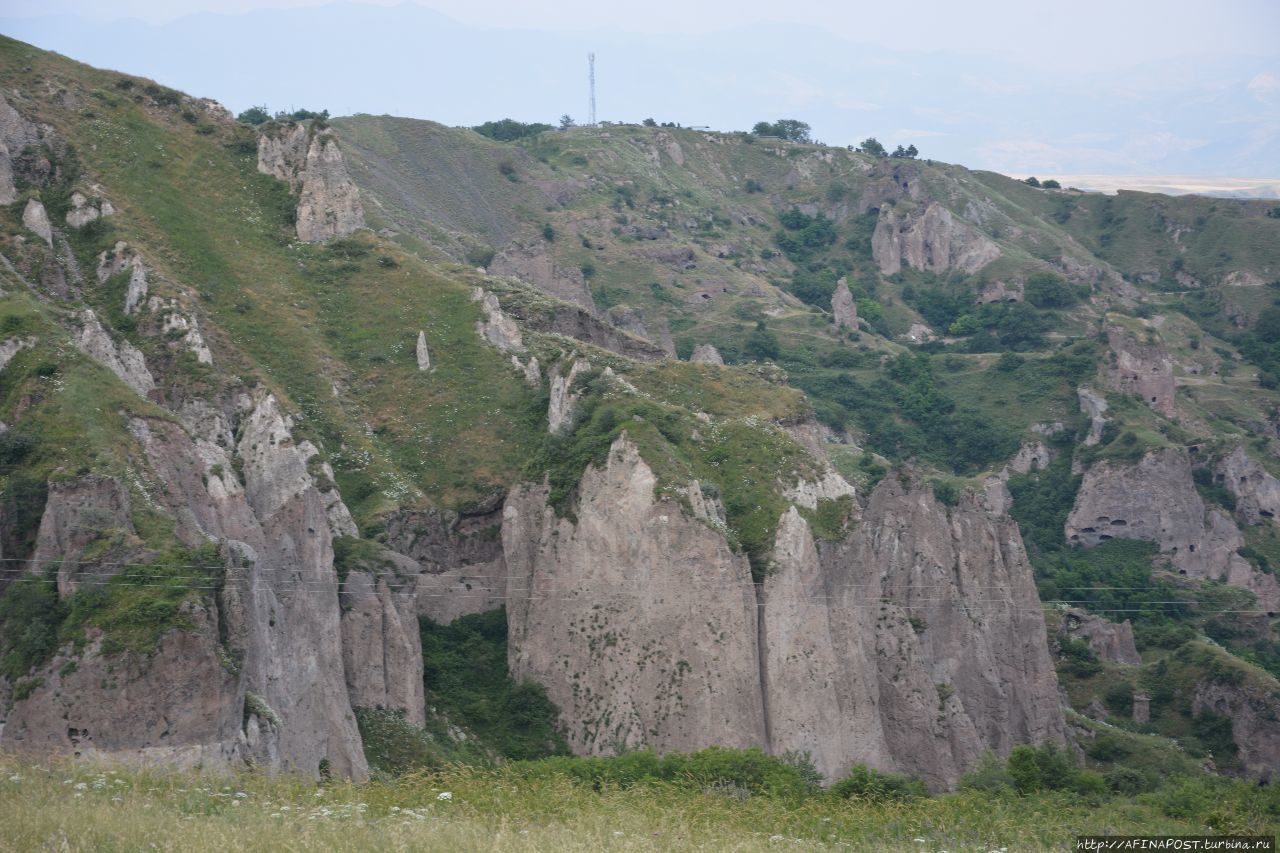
<point x="591" y="79"/>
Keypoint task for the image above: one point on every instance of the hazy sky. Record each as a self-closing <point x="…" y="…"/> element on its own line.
<point x="1121" y="86"/>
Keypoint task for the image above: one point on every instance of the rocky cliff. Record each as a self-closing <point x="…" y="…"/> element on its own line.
<point x="646" y="629"/>
<point x="309" y="160"/>
<point x="1156" y="500"/>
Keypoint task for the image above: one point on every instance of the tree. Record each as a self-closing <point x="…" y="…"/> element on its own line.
<point x="1050" y="184"/>
<point x="566" y="122"/>
<point x="649" y="123"/>
<point x="913" y="152"/>
<point x="255" y="115"/>
<point x="509" y="130"/>
<point x="1032" y="181"/>
<point x="872" y="146"/>
<point x="790" y="129"/>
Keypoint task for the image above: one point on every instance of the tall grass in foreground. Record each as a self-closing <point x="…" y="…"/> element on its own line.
<point x="61" y="806"/>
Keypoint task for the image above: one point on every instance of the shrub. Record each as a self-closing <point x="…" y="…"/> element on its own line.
<point x="509" y="130"/>
<point x="867" y="784"/>
<point x="254" y="116"/>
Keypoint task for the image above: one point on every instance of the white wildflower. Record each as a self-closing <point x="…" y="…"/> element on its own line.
<point x="445" y="795"/>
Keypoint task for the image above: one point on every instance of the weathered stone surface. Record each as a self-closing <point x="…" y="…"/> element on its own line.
<point x="177" y="706"/>
<point x="1001" y="291"/>
<point x="573" y="321"/>
<point x="1094" y="406"/>
<point x="457" y="560"/>
<point x="77" y="514"/>
<point x="1253" y="710"/>
<point x="1111" y="641"/>
<point x="930" y="240"/>
<point x="530" y="262"/>
<point x="1257" y="491"/>
<point x="16" y="133"/>
<point x="1031" y="456"/>
<point x="1156" y="500"/>
<point x="421" y="353"/>
<point x="564" y="400"/>
<point x="121" y="258"/>
<point x="174" y="322"/>
<point x="640" y="622"/>
<point x="828" y="486"/>
<point x="36" y="220"/>
<point x="843" y="307"/>
<point x="643" y="626"/>
<point x="945" y="690"/>
<point x="12" y="346"/>
<point x="706" y="354"/>
<point x="83" y="211"/>
<point x="381" y="646"/>
<point x="311" y="162"/>
<point x="1142" y="366"/>
<point x="124" y="360"/>
<point x="495" y="326"/>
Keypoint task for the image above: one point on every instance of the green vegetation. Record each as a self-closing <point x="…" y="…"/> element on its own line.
<point x="789" y="129"/>
<point x="509" y="130"/>
<point x="465" y="671"/>
<point x="557" y="805"/>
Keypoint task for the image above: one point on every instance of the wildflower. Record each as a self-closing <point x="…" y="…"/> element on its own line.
<point x="445" y="795"/>
<point x="276" y="814"/>
<point x="81" y="786"/>
<point x="15" y="778"/>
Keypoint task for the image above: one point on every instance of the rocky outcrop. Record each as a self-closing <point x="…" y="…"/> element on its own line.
<point x="117" y="260"/>
<point x="16" y="133"/>
<point x="1031" y="456"/>
<point x="311" y="162"/>
<point x="931" y="240"/>
<point x="645" y="628"/>
<point x="532" y="263"/>
<point x="1253" y="709"/>
<point x="1111" y="641"/>
<point x="279" y="603"/>
<point x="494" y="326"/>
<point x="1141" y="365"/>
<point x="1000" y="291"/>
<point x="458" y="562"/>
<point x="421" y="354"/>
<point x="843" y="307"/>
<point x="177" y="706"/>
<point x="83" y="210"/>
<point x="12" y="346"/>
<point x="1156" y="500"/>
<point x="828" y="486"/>
<point x="639" y="621"/>
<point x="36" y="220"/>
<point x="381" y="646"/>
<point x="572" y="321"/>
<point x="122" y="359"/>
<point x="79" y="513"/>
<point x="1257" y="491"/>
<point x="706" y="354"/>
<point x="1094" y="407"/>
<point x="879" y="631"/>
<point x="564" y="399"/>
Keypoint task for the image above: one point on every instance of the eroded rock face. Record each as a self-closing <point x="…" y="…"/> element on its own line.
<point x="36" y="220"/>
<point x="888" y="648"/>
<point x="381" y="646"/>
<point x="564" y="400"/>
<point x="639" y="621"/>
<point x="1253" y="713"/>
<point x="532" y="263"/>
<point x="1156" y="500"/>
<point x="311" y="162"/>
<point x="123" y="359"/>
<point x="77" y="514"/>
<point x="1031" y="456"/>
<point x="706" y="354"/>
<point x="495" y="326"/>
<point x="16" y="133"/>
<point x="421" y="354"/>
<point x="843" y="307"/>
<point x="12" y="346"/>
<point x="177" y="706"/>
<point x="1257" y="491"/>
<point x="956" y="671"/>
<point x="1094" y="406"/>
<point x="1111" y="641"/>
<point x="1142" y="366"/>
<point x="930" y="240"/>
<point x="117" y="260"/>
<point x="458" y="560"/>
